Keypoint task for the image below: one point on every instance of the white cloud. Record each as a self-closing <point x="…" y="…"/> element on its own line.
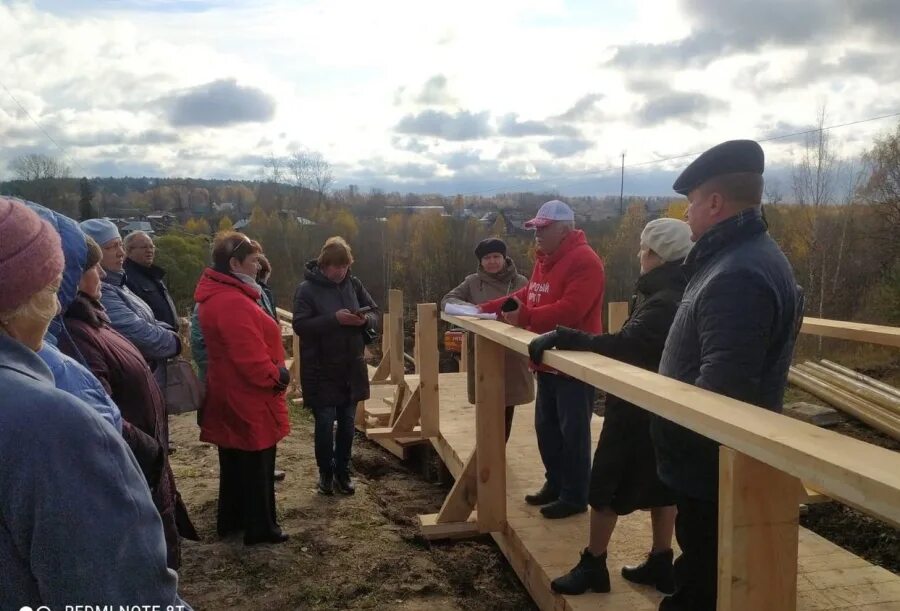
<point x="416" y="85"/>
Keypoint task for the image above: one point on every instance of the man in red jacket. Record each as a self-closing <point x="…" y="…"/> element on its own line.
<point x="566" y="288"/>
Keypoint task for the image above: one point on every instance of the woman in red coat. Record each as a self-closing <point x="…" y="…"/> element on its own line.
<point x="244" y="411"/>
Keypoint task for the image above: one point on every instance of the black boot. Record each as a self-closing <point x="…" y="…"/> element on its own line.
<point x="561" y="509"/>
<point x="343" y="484"/>
<point x="326" y="484"/>
<point x="543" y="496"/>
<point x="589" y="574"/>
<point x="656" y="570"/>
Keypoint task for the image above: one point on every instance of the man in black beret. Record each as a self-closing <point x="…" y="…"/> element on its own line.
<point x="733" y="334"/>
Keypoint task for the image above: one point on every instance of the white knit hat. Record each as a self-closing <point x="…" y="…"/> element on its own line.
<point x="669" y="238"/>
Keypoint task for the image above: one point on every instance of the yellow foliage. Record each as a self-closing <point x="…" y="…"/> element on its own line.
<point x="225" y="224"/>
<point x="197" y="226"/>
<point x="677" y="209"/>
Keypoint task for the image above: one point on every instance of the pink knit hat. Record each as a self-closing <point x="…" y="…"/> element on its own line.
<point x="31" y="254"/>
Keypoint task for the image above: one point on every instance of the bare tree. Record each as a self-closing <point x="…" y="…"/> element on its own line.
<point x="36" y="166"/>
<point x="320" y="171"/>
<point x="882" y="189"/>
<point x="273" y="169"/>
<point x="815" y="180"/>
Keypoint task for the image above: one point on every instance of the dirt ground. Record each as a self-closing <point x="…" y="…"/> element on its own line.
<point x="356" y="552"/>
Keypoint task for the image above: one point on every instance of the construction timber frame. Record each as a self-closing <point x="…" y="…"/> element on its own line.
<point x="763" y="459"/>
<point x="411" y="415"/>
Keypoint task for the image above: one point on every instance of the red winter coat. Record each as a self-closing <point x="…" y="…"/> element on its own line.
<point x="566" y="288"/>
<point x="241" y="409"/>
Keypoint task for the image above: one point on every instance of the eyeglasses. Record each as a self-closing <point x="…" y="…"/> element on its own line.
<point x="234" y="250"/>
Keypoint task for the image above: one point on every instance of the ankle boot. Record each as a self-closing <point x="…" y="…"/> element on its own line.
<point x="326" y="484"/>
<point x="543" y="496"/>
<point x="343" y="483"/>
<point x="589" y="573"/>
<point x="656" y="571"/>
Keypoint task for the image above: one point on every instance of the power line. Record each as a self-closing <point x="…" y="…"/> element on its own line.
<point x="43" y="131"/>
<point x="613" y="168"/>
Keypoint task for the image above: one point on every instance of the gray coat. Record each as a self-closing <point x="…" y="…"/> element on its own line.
<point x="481" y="287"/>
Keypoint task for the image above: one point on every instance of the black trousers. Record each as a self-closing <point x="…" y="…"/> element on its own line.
<point x="247" y="492"/>
<point x="696" y="569"/>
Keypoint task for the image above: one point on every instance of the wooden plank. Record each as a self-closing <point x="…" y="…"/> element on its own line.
<point x="759" y="526"/>
<point x="853" y="331"/>
<point x="857" y="473"/>
<point x="618" y="314"/>
<point x="490" y="436"/>
<point x="433" y="530"/>
<point x="381" y="373"/>
<point x="294" y="369"/>
<point x="397" y="402"/>
<point x="461" y="501"/>
<point x="409" y="416"/>
<point x="427" y="366"/>
<point x="395" y="303"/>
<point x="464" y="363"/>
<point x="416" y="347"/>
<point x="389" y="433"/>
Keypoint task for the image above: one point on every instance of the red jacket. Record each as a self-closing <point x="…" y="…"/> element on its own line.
<point x="566" y="288"/>
<point x="241" y="409"/>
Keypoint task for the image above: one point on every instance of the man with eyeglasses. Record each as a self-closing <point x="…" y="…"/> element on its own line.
<point x="146" y="280"/>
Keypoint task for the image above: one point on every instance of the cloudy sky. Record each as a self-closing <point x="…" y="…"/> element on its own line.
<point x="470" y="96"/>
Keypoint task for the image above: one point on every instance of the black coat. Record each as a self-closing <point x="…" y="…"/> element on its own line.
<point x="147" y="283"/>
<point x="332" y="365"/>
<point x="641" y="339"/>
<point x="733" y="335"/>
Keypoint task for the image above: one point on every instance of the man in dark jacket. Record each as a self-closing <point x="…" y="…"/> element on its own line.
<point x="146" y="279"/>
<point x="332" y="326"/>
<point x="733" y="334"/>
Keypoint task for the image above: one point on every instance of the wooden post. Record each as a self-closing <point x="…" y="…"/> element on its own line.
<point x="427" y="367"/>
<point x="395" y="305"/>
<point x="490" y="433"/>
<point x="416" y="348"/>
<point x="759" y="527"/>
<point x="618" y="314"/>
<point x="464" y="353"/>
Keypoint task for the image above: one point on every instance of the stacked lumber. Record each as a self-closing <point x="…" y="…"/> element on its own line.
<point x="873" y="402"/>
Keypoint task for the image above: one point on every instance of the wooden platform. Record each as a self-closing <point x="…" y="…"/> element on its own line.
<point x="540" y="550"/>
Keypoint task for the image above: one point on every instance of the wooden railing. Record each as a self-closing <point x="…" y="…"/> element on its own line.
<point x="763" y="459"/>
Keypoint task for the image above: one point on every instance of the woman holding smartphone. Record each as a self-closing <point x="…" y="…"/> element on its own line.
<point x="333" y="315"/>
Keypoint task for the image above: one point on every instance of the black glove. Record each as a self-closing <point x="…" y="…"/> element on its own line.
<point x="539" y="344"/>
<point x="284" y="378"/>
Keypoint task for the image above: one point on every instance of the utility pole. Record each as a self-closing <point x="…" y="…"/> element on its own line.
<point x="622" y="188"/>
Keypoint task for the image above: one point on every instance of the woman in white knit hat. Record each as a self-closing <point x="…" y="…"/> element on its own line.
<point x="623" y="474"/>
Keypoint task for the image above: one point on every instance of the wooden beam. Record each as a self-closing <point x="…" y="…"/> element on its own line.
<point x="490" y="433"/>
<point x="416" y="347"/>
<point x="384" y="367"/>
<point x="389" y="433"/>
<point x="383" y="370"/>
<point x="397" y="404"/>
<point x="360" y="418"/>
<point x="395" y="303"/>
<point x="295" y="364"/>
<point x="433" y="530"/>
<point x="854" y="472"/>
<point x="427" y="367"/>
<point x="853" y="331"/>
<point x="409" y="415"/>
<point x="759" y="528"/>
<point x="464" y="363"/>
<point x="460" y="503"/>
<point x="618" y="314"/>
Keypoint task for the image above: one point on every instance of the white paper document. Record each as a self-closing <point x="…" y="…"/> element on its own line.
<point x="467" y="309"/>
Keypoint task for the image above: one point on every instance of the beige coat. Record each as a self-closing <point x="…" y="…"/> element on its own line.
<point x="481" y="287"/>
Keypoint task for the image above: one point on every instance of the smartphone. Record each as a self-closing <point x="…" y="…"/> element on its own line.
<point x="509" y="305"/>
<point x="364" y="310"/>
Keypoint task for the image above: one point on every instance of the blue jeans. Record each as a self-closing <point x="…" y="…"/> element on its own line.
<point x="562" y="421"/>
<point x="333" y="449"/>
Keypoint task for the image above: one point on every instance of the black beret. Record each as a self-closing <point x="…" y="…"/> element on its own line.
<point x="488" y="246"/>
<point x="727" y="158"/>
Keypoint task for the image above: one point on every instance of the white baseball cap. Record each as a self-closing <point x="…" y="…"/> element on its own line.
<point x="550" y="212"/>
